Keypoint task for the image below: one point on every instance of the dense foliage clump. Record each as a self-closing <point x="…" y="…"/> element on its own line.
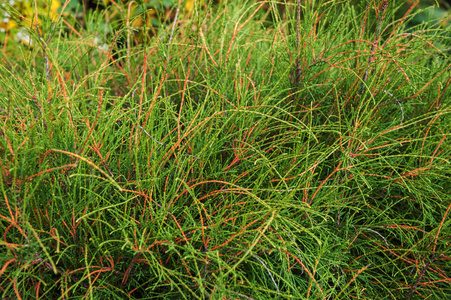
<point x="227" y="150"/>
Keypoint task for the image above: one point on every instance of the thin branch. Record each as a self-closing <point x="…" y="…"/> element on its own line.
<point x="298" y="71"/>
<point x="47" y="66"/>
<point x="423" y="271"/>
<point x="172" y="31"/>
<point x="373" y="45"/>
<point x="369" y="229"/>
<point x="150" y="135"/>
<point x="269" y="272"/>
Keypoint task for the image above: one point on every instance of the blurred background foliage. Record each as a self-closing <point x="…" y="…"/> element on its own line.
<point x="20" y="19"/>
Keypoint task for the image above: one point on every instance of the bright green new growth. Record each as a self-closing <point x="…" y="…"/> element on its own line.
<point x="232" y="156"/>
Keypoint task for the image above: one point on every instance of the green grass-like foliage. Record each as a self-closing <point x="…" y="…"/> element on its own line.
<point x="250" y="151"/>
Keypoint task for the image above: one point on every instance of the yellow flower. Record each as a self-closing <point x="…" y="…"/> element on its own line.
<point x="189" y="4"/>
<point x="26" y="12"/>
<point x="54" y="9"/>
<point x="6" y="24"/>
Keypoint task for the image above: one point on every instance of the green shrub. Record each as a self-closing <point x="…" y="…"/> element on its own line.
<point x="242" y="151"/>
